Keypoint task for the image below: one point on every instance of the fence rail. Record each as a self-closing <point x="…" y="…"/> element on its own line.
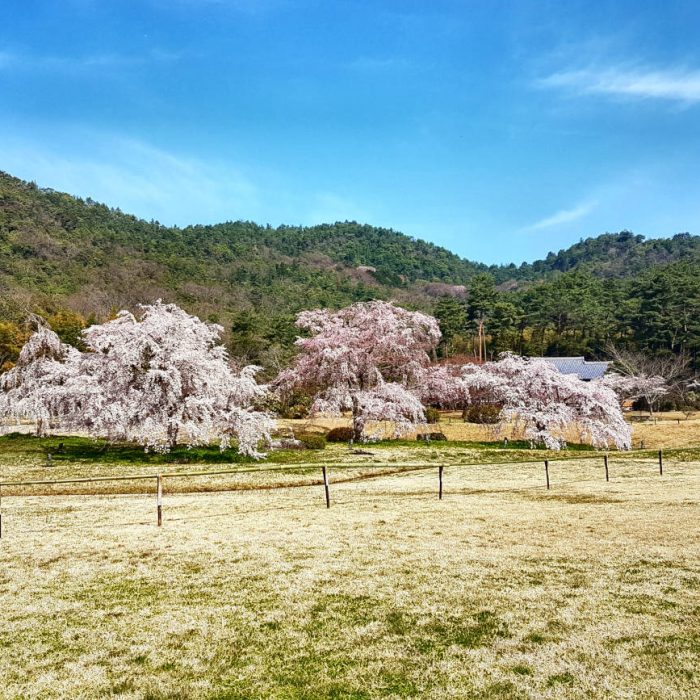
<point x="623" y="456"/>
<point x="159" y="478"/>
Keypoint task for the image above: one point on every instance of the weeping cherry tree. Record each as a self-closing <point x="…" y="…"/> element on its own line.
<point x="36" y="388"/>
<point x="369" y="359"/>
<point x="156" y="378"/>
<point x="536" y="399"/>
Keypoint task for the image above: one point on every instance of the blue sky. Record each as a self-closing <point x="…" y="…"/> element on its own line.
<point x="501" y="130"/>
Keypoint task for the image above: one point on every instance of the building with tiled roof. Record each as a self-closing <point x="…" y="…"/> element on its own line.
<point x="579" y="366"/>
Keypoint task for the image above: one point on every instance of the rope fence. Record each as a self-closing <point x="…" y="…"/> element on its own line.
<point x="641" y="459"/>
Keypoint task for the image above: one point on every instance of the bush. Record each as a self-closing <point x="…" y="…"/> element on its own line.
<point x="298" y="410"/>
<point x="429" y="437"/>
<point x="312" y="441"/>
<point x="483" y="413"/>
<point x="295" y="405"/>
<point x="342" y="434"/>
<point x="432" y="415"/>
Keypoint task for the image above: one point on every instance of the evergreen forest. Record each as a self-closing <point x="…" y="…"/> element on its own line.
<point x="75" y="262"/>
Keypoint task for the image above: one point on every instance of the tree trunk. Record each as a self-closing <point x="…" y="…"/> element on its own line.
<point x="172" y="435"/>
<point x="41" y="427"/>
<point x="356" y="422"/>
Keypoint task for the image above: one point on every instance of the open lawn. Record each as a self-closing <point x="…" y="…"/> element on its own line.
<point x="500" y="590"/>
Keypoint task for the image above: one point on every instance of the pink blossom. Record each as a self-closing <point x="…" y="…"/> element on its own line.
<point x="369" y="358"/>
<point x="545" y="403"/>
<point x="158" y="379"/>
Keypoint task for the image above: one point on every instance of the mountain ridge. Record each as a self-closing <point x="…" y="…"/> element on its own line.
<point x="75" y="260"/>
<point x="346" y="243"/>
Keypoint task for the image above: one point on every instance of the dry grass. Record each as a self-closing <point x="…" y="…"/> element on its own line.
<point x="502" y="590"/>
<point x="451" y="424"/>
<point x="670" y="429"/>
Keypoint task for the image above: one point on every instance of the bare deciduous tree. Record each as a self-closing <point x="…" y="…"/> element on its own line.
<point x="649" y="377"/>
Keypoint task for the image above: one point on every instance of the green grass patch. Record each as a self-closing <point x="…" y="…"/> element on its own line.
<point x="68" y="448"/>
<point x="522" y="670"/>
<point x="557" y="679"/>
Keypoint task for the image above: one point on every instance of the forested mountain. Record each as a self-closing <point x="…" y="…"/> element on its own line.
<point x="615" y="255"/>
<point x="75" y="260"/>
<point x="58" y="248"/>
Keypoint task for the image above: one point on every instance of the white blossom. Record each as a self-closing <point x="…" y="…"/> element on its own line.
<point x="157" y="379"/>
<point x="369" y="358"/>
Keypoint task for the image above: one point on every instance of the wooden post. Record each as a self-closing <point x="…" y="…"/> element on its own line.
<point x="607" y="475"/>
<point x="546" y="472"/>
<point x="159" y="498"/>
<point x="440" y="469"/>
<point x="326" y="488"/>
<point x="661" y="463"/>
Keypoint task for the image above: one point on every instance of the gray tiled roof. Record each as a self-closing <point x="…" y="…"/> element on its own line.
<point x="578" y="366"/>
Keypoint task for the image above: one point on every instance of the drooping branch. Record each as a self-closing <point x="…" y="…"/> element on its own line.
<point x="157" y="379"/>
<point x="369" y="359"/>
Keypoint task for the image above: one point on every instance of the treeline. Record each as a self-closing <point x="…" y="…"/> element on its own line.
<point x="612" y="255"/>
<point x="76" y="261"/>
<point x="578" y="313"/>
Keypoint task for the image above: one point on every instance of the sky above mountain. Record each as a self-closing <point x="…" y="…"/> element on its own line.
<point x="498" y="130"/>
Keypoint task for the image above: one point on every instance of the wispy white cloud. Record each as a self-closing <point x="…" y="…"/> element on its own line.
<point x="563" y="216"/>
<point x="674" y="84"/>
<point x="136" y="176"/>
<point x="73" y="65"/>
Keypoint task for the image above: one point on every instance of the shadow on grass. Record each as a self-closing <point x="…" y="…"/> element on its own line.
<point x="66" y="448"/>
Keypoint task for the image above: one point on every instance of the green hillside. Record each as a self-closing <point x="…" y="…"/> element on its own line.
<point x="55" y="246"/>
<point x="615" y="255"/>
<point x="75" y="260"/>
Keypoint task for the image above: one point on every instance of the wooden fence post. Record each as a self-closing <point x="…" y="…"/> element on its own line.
<point x="546" y="472"/>
<point x="326" y="487"/>
<point x="159" y="499"/>
<point x="440" y="469"/>
<point x="661" y="463"/>
<point x="607" y="475"/>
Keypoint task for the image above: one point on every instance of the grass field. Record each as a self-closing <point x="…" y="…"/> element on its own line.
<point x="501" y="590"/>
<point x="665" y="430"/>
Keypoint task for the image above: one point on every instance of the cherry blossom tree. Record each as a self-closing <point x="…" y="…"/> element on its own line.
<point x="35" y="388"/>
<point x="442" y="386"/>
<point x="458" y="386"/>
<point x="535" y="398"/>
<point x="545" y="404"/>
<point x="633" y="387"/>
<point x="156" y="379"/>
<point x="369" y="359"/>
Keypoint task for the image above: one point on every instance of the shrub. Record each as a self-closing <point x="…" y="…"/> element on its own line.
<point x="295" y="405"/>
<point x="312" y="441"/>
<point x="298" y="410"/>
<point x="432" y="415"/>
<point x="287" y="443"/>
<point x="429" y="437"/>
<point x="484" y="413"/>
<point x="342" y="434"/>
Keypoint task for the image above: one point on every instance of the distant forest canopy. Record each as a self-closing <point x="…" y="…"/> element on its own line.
<point x="76" y="261"/>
